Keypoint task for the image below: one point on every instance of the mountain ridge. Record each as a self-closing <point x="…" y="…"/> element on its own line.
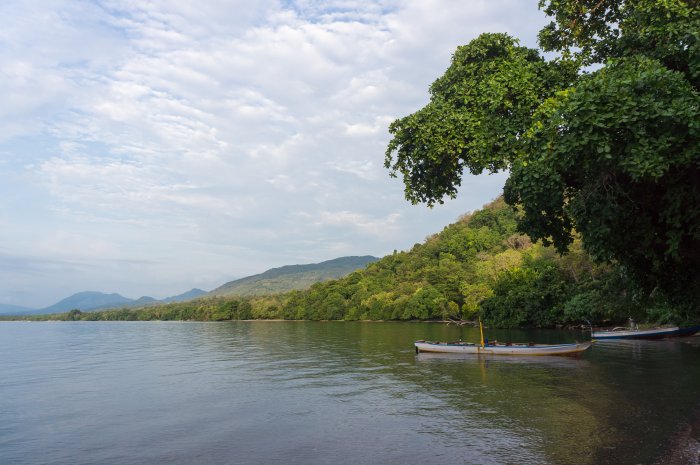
<point x="292" y="277"/>
<point x="7" y="309"/>
<point x="273" y="280"/>
<point x="86" y="301"/>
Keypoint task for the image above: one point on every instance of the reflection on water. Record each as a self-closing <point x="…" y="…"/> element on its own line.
<point x="331" y="393"/>
<point x="489" y="359"/>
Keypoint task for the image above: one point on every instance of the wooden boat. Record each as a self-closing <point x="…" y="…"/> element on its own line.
<point x="495" y="348"/>
<point x="655" y="333"/>
<point x="492" y="348"/>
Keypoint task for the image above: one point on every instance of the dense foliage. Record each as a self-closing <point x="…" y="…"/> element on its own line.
<point x="603" y="140"/>
<point x="479" y="266"/>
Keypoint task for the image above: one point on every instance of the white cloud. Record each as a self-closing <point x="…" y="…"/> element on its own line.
<point x="357" y="221"/>
<point x="221" y="138"/>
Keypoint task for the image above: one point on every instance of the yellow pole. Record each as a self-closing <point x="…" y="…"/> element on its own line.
<point x="481" y="329"/>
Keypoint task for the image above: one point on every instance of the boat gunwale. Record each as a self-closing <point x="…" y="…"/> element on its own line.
<point x="502" y="349"/>
<point x="653" y="333"/>
<point x="519" y="345"/>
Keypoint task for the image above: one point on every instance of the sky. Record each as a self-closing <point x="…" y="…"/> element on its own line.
<point x="147" y="148"/>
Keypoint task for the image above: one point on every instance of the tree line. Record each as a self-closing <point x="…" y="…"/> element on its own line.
<point x="480" y="266"/>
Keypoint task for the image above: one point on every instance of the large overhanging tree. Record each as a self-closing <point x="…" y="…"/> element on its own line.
<point x="603" y="140"/>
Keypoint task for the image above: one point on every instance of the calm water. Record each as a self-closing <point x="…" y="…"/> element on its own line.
<point x="331" y="393"/>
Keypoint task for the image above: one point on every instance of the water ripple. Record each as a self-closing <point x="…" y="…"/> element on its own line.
<point x="335" y="393"/>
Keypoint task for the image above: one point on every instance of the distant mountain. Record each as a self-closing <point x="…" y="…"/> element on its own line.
<point x="290" y="277"/>
<point x="191" y="294"/>
<point x="275" y="280"/>
<point x="145" y="300"/>
<point x="13" y="309"/>
<point x="89" y="300"/>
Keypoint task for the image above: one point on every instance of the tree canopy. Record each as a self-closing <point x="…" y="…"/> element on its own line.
<point x="603" y="139"/>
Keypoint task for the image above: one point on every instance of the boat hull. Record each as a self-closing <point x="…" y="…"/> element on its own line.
<point x="501" y="349"/>
<point x="657" y="333"/>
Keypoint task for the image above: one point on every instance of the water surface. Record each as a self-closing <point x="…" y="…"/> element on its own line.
<point x="331" y="393"/>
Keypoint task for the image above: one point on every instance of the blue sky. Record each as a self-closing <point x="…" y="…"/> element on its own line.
<point x="150" y="147"/>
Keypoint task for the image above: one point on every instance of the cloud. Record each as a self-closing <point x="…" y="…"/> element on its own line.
<point x="221" y="138"/>
<point x="359" y="221"/>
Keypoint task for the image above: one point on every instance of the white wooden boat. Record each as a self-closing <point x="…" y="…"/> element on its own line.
<point x="500" y="348"/>
<point x="654" y="333"/>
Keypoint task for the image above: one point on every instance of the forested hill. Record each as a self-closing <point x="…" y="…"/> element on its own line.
<point x="290" y="277"/>
<point x="478" y="266"/>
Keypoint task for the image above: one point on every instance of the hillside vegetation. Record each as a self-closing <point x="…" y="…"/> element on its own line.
<point x="596" y="127"/>
<point x="291" y="277"/>
<point x="478" y="266"/>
